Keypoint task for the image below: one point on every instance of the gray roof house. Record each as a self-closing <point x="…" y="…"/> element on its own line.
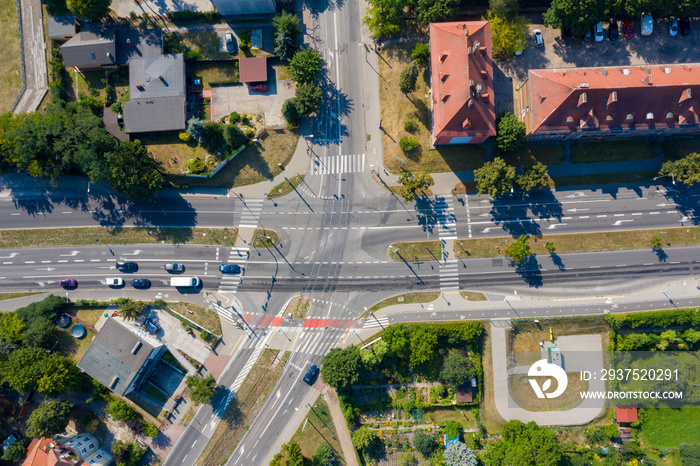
<point x="88" y="50"/>
<point x="137" y="43"/>
<point x="245" y="7"/>
<point x="157" y="92"/>
<point x="63" y="27"/>
<point x="120" y="356"/>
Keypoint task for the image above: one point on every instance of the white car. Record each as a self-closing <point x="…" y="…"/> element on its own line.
<point x="539" y="40"/>
<point x="598" y="32"/>
<point x="115" y="281"/>
<point x="673" y="27"/>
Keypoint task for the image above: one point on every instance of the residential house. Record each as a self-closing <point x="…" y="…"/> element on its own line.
<point x="245" y="7"/>
<point x="77" y="450"/>
<point x="625" y="414"/>
<point x="89" y="50"/>
<point x="121" y="356"/>
<point x="62" y="28"/>
<point x="252" y="70"/>
<point x="612" y="101"/>
<point x="462" y="82"/>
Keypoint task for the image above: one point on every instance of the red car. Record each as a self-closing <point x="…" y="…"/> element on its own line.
<point x="70" y="283"/>
<point x="627" y="28"/>
<point x="262" y="87"/>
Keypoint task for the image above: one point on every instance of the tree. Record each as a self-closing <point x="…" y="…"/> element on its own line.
<point x="397" y="338"/>
<point x="691" y="336"/>
<point x="6" y="347"/>
<point x="576" y="16"/>
<point x="385" y="17"/>
<point x="201" y="389"/>
<point x="507" y="9"/>
<point x="287" y="30"/>
<point x="17" y="450"/>
<point x="59" y="375"/>
<point x="120" y="411"/>
<point x="195" y="127"/>
<point x="425" y="444"/>
<point x="306" y="65"/>
<point x="414" y="185"/>
<point x="40" y="334"/>
<point x="290" y="112"/>
<point x="234" y="137"/>
<point x="534" y="176"/>
<point x="294" y="456"/>
<point x="372" y="357"/>
<point x="656" y="241"/>
<point x="363" y="439"/>
<point x="323" y="455"/>
<point x="421" y="54"/>
<point x="457" y="454"/>
<point x="434" y="11"/>
<point x="213" y="137"/>
<point x="408" y="143"/>
<point x="549" y="245"/>
<point x="519" y="249"/>
<point x="126" y="453"/>
<point x="21" y="370"/>
<point x="409" y="78"/>
<point x="510" y="137"/>
<point x="133" y="172"/>
<point x="308" y="98"/>
<point x="524" y="444"/>
<point x="11" y="327"/>
<point x="690" y="453"/>
<point x="341" y="367"/>
<point x="494" y="177"/>
<point x="132" y="310"/>
<point x="457" y="369"/>
<point x="48" y="419"/>
<point x="507" y="35"/>
<point x="285" y="46"/>
<point x="685" y="170"/>
<point x="90" y="9"/>
<point x="423" y="344"/>
<point x="611" y="431"/>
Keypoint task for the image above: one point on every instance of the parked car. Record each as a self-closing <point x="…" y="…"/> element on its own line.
<point x="685" y="26"/>
<point x="598" y="31"/>
<point x="673" y="27"/>
<point x="127" y="266"/>
<point x="647" y="24"/>
<point x="613" y="32"/>
<point x="311" y="374"/>
<point x="627" y="28"/>
<point x="152" y="328"/>
<point x="231" y="45"/>
<point x="68" y="283"/>
<point x="261" y="87"/>
<point x="115" y="281"/>
<point x="539" y="40"/>
<point x="229" y="268"/>
<point x="588" y="36"/>
<point x="140" y="283"/>
<point x="175" y="267"/>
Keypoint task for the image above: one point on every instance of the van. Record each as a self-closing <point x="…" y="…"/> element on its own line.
<point x="189" y="282"/>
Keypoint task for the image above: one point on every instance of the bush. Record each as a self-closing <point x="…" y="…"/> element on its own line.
<point x="408" y="143"/>
<point x="234" y="117"/>
<point x="245" y="118"/>
<point x="89" y="422"/>
<point x="410" y="125"/>
<point x="116" y="107"/>
<point x="149" y="430"/>
<point x="421" y="53"/>
<point x="550" y="247"/>
<point x="206" y="336"/>
<point x="193" y="55"/>
<point x="187" y="15"/>
<point x="249" y="133"/>
<point x="185" y="136"/>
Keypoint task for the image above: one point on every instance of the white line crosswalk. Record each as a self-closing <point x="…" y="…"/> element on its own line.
<point x="444" y="210"/>
<point x="353" y="163"/>
<point x="449" y="275"/>
<point x="318" y="341"/>
<point x="373" y="322"/>
<point x="251" y="212"/>
<point x="230" y="283"/>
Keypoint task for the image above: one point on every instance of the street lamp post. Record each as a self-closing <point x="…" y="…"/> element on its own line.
<point x="673" y="178"/>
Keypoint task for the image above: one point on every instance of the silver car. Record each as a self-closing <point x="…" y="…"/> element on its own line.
<point x="539" y="40"/>
<point x="176" y="267"/>
<point x="115" y="281"/>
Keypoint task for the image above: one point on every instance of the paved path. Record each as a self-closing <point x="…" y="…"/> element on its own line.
<point x="35" y="68"/>
<point x="341" y="427"/>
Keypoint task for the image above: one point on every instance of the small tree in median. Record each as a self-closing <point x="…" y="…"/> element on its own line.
<point x="518" y="250"/>
<point x="201" y="389"/>
<point x="656" y="241"/>
<point x="550" y="247"/>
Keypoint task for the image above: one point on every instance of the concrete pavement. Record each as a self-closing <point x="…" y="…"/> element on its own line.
<point x="341" y="427"/>
<point x="34" y="66"/>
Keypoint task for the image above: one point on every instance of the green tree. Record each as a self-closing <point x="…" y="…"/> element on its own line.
<point x="409" y="78"/>
<point x="656" y="241"/>
<point x="408" y="143"/>
<point x="22" y="370"/>
<point x="691" y="336"/>
<point x="434" y="11"/>
<point x="457" y="369"/>
<point x="510" y="137"/>
<point x="534" y="176"/>
<point x="126" y="453"/>
<point x="421" y="54"/>
<point x="457" y="454"/>
<point x="373" y="357"/>
<point x="690" y="453"/>
<point x="90" y="9"/>
<point x="40" y="334"/>
<point x="507" y="9"/>
<point x="507" y="35"/>
<point x="133" y="172"/>
<point x="611" y="431"/>
<point x="201" y="389"/>
<point x="195" y="126"/>
<point x="550" y="247"/>
<point x="17" y="450"/>
<point x="425" y="444"/>
<point x="364" y="439"/>
<point x="120" y="411"/>
<point x="685" y="170"/>
<point x="397" y="338"/>
<point x="667" y="338"/>
<point x="494" y="177"/>
<point x="413" y="185"/>
<point x="308" y="98"/>
<point x="132" y="310"/>
<point x="341" y="367"/>
<point x="285" y="46"/>
<point x="423" y="344"/>
<point x="234" y="137"/>
<point x="59" y="375"/>
<point x="6" y="347"/>
<point x="48" y="419"/>
<point x="519" y="249"/>
<point x="287" y="30"/>
<point x="294" y="456"/>
<point x="306" y="65"/>
<point x="213" y="137"/>
<point x="576" y="16"/>
<point x="290" y="112"/>
<point x="385" y="17"/>
<point x="11" y="327"/>
<point x="524" y="444"/>
<point x="323" y="455"/>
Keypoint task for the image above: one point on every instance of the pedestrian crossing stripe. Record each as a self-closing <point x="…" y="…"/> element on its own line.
<point x="337" y="164"/>
<point x="373" y="322"/>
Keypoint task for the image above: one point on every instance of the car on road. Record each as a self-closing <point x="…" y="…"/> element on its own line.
<point x="140" y="283"/>
<point x="231" y="46"/>
<point x="259" y="87"/>
<point x="311" y="374"/>
<point x="613" y="31"/>
<point x="539" y="40"/>
<point x="685" y="26"/>
<point x="127" y="266"/>
<point x="672" y="27"/>
<point x="174" y="267"/>
<point x="627" y="28"/>
<point x="152" y="328"/>
<point x="598" y="31"/>
<point x="68" y="283"/>
<point x="647" y="25"/>
<point x="114" y="281"/>
<point x="229" y="268"/>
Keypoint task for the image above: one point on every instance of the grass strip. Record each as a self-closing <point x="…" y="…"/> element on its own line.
<point x="119" y="235"/>
<point x="200" y="315"/>
<point x="473" y="296"/>
<point x="415" y="251"/>
<point x="298" y="307"/>
<point x="316" y="429"/>
<point x="265" y="238"/>
<point x="286" y="187"/>
<point x="409" y="298"/>
<point x="4" y="296"/>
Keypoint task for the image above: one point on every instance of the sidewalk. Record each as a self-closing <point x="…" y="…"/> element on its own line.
<point x="341" y="427"/>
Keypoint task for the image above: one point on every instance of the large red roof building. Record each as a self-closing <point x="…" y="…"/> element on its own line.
<point x="612" y="101"/>
<point x="462" y="82"/>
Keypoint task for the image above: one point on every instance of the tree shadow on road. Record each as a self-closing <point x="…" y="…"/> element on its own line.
<point x="556" y="259"/>
<point x="529" y="269"/>
<point x="661" y="254"/>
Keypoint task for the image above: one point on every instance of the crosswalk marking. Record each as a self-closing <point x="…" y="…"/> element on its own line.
<point x="373" y="322"/>
<point x="444" y="210"/>
<point x="336" y="164"/>
<point x="250" y="213"/>
<point x="449" y="275"/>
<point x="230" y="283"/>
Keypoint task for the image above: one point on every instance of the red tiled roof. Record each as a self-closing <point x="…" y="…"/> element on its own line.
<point x="464" y="394"/>
<point x="462" y="81"/>
<point x="619" y="97"/>
<point x="625" y="414"/>
<point x="252" y="70"/>
<point x="41" y="455"/>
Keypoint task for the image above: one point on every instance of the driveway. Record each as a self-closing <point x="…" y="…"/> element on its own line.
<point x="175" y="336"/>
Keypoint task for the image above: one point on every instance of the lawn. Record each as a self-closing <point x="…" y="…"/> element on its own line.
<point x="207" y="42"/>
<point x="171" y="154"/>
<point x="213" y="72"/>
<point x="473" y="296"/>
<point x="89" y="315"/>
<point x="668" y="428"/>
<point x="397" y="108"/>
<point x="265" y="238"/>
<point x="202" y="316"/>
<point x="11" y="78"/>
<point x="527" y="335"/>
<point x="450" y="413"/>
<point x="71" y="346"/>
<point x="409" y="298"/>
<point x="318" y="430"/>
<point x="4" y="296"/>
<point x="546" y="154"/>
<point x="612" y="151"/>
<point x="87" y="80"/>
<point x="490" y="417"/>
<point x="298" y="307"/>
<point x="286" y="187"/>
<point x="523" y="396"/>
<point x="415" y="251"/>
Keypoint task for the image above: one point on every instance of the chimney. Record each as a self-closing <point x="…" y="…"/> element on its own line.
<point x="582" y="99"/>
<point x="485" y="96"/>
<point x="611" y="98"/>
<point x="484" y="74"/>
<point x="482" y="50"/>
<point x="160" y="77"/>
<point x="685" y="95"/>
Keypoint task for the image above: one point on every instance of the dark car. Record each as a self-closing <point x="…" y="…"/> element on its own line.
<point x="127" y="266"/>
<point x="311" y="374"/>
<point x="685" y="26"/>
<point x="231" y="46"/>
<point x="152" y="328"/>
<point x="175" y="267"/>
<point x="613" y="31"/>
<point x="260" y="87"/>
<point x="140" y="283"/>
<point x="68" y="283"/>
<point x="229" y="268"/>
<point x="627" y="28"/>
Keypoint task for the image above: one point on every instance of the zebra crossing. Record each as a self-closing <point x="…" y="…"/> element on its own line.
<point x="373" y="322"/>
<point x="251" y="212"/>
<point x="318" y="342"/>
<point x="444" y="210"/>
<point x="449" y="275"/>
<point x="336" y="164"/>
<point x="230" y="283"/>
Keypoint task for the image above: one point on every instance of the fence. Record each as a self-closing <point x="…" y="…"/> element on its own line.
<point x="221" y="165"/>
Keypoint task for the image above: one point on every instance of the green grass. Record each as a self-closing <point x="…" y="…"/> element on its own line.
<point x="668" y="428"/>
<point x="409" y="298"/>
<point x="208" y="43"/>
<point x="283" y="72"/>
<point x="450" y="413"/>
<point x="4" y="296"/>
<point x="546" y="154"/>
<point x="612" y="151"/>
<point x="473" y="296"/>
<point x="216" y="72"/>
<point x="91" y="80"/>
<point x="205" y="318"/>
<point x="89" y="315"/>
<point x="11" y="75"/>
<point x="298" y="307"/>
<point x="165" y="146"/>
<point x="286" y="187"/>
<point x="71" y="346"/>
<point x="263" y="238"/>
<point x="319" y="429"/>
<point x="415" y="251"/>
